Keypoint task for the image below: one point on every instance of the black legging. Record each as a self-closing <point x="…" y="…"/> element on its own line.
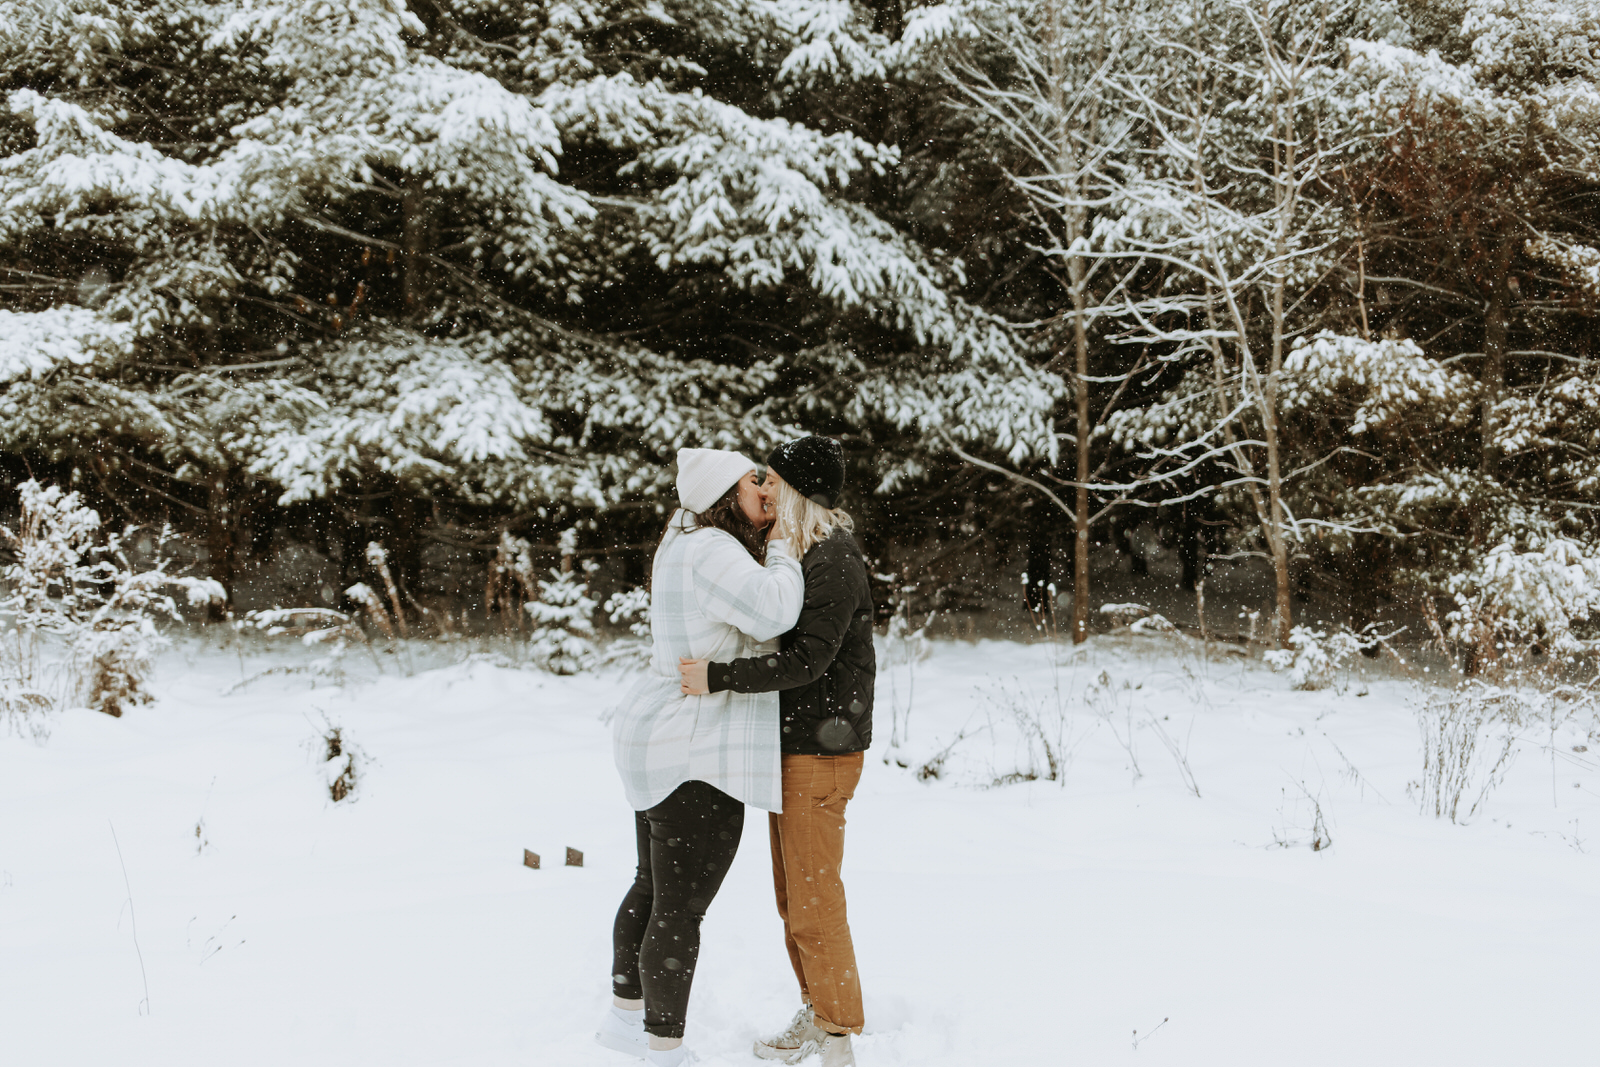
<point x="686" y="844"/>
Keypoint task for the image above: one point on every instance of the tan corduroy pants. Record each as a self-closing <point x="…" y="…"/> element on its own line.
<point x="807" y="851"/>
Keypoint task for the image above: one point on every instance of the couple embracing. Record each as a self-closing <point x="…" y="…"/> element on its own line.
<point x="759" y="692"/>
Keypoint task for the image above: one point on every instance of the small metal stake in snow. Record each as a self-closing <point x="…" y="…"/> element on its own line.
<point x="530" y="859"/>
<point x="574" y="858"/>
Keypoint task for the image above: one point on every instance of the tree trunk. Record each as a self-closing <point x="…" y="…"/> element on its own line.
<point x="1041" y="572"/>
<point x="1275" y="530"/>
<point x="1286" y="190"/>
<point x="1070" y="168"/>
<point x="415" y="241"/>
<point x="1080" y="540"/>
<point x="1496" y="328"/>
<point x="222" y="538"/>
<point x="408" y="542"/>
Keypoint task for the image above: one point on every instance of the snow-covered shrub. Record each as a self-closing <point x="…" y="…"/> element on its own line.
<point x="23" y="688"/>
<point x="1468" y="745"/>
<point x="1512" y="599"/>
<point x="385" y="610"/>
<point x="312" y="625"/>
<point x="70" y="583"/>
<point x="114" y="664"/>
<point x="315" y="627"/>
<point x="1124" y="614"/>
<point x="21" y="691"/>
<point x="1313" y="656"/>
<point x="1139" y="619"/>
<point x="563" y="616"/>
<point x="342" y="763"/>
<point x="1153" y="624"/>
<point x="630" y="608"/>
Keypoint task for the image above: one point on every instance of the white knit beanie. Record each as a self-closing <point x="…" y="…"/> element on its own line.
<point x="704" y="474"/>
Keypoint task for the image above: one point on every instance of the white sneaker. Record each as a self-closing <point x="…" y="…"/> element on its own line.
<point x="624" y="1031"/>
<point x="836" y="1051"/>
<point x="795" y="1042"/>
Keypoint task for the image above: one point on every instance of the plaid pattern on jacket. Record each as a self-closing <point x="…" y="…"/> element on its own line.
<point x="708" y="600"/>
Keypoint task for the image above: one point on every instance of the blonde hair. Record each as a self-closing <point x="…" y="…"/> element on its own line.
<point x="805" y="522"/>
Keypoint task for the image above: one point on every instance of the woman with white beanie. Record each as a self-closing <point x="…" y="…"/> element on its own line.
<point x="722" y="591"/>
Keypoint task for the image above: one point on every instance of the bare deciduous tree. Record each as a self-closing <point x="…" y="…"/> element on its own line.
<point x="1226" y="202"/>
<point x="1045" y="80"/>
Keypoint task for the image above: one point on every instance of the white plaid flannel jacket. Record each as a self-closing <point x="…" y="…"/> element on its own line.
<point x="709" y="599"/>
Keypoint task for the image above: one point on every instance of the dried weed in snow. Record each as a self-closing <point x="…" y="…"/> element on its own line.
<point x="1468" y="744"/>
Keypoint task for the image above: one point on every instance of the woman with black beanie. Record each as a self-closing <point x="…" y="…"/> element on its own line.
<point x="823" y="673"/>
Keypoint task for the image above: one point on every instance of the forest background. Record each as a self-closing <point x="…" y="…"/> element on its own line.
<point x="1313" y="283"/>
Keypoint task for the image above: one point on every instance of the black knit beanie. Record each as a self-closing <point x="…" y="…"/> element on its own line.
<point x="814" y="466"/>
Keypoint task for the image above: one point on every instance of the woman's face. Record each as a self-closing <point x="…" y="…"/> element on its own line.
<point x="753" y="502"/>
<point x="769" y="492"/>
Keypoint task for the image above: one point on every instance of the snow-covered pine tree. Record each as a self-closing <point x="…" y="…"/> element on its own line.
<point x="1481" y="153"/>
<point x="1480" y="147"/>
<point x="310" y="250"/>
<point x="390" y="264"/>
<point x="563" y="617"/>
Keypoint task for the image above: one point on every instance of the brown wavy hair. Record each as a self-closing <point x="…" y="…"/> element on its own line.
<point x="726" y="515"/>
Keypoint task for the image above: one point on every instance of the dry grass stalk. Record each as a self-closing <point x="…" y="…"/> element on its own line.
<point x="363" y="594"/>
<point x="512" y="581"/>
<point x="1453" y="727"/>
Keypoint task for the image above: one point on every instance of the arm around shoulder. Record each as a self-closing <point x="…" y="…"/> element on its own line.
<point x="836" y="589"/>
<point x="761" y="601"/>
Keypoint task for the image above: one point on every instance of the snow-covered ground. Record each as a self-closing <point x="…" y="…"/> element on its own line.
<point x="1030" y="923"/>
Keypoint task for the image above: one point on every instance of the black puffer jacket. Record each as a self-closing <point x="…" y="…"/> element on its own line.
<point x="825" y="667"/>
